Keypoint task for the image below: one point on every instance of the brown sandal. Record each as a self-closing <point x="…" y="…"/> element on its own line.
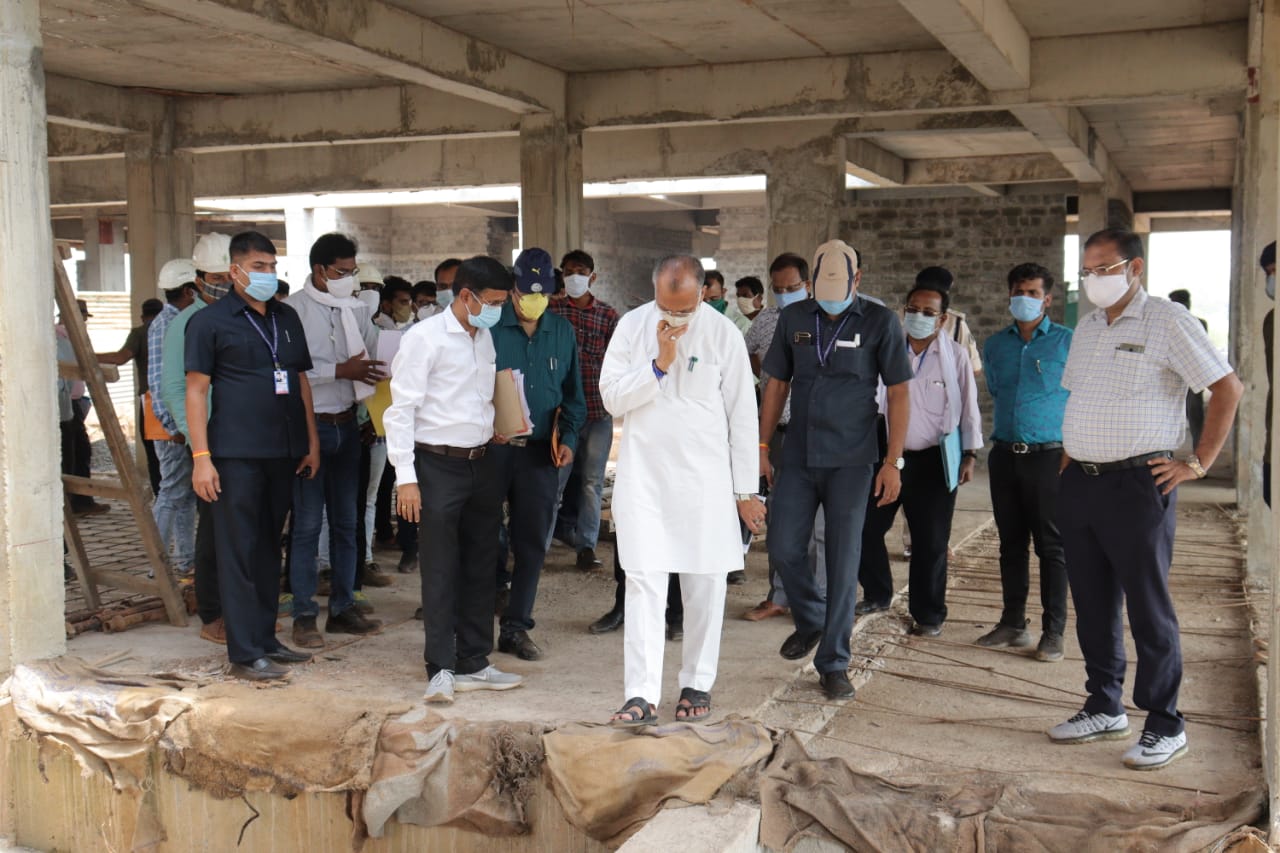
<point x="639" y="713"/>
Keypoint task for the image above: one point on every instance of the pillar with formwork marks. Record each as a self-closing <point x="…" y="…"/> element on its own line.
<point x="31" y="591"/>
<point x="103" y="255"/>
<point x="160" y="206"/>
<point x="550" y="185"/>
<point x="804" y="188"/>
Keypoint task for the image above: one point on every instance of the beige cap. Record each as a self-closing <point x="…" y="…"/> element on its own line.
<point x="176" y="273"/>
<point x="834" y="266"/>
<point x="213" y="253"/>
<point x="370" y="273"/>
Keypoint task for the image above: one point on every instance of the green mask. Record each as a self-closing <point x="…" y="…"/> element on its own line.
<point x="718" y="304"/>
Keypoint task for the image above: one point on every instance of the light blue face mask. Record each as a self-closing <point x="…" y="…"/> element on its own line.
<point x="444" y="297"/>
<point x="262" y="286"/>
<point x="833" y="307"/>
<point x="1025" y="308"/>
<point x="791" y="297"/>
<point x="919" y="326"/>
<point x="487" y="318"/>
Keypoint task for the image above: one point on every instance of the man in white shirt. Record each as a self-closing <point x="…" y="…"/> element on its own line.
<point x="678" y="371"/>
<point x="439" y="427"/>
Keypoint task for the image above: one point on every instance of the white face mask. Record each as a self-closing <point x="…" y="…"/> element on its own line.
<point x="675" y="321"/>
<point x="1271" y="286"/>
<point x="1106" y="290"/>
<point x="428" y="311"/>
<point x="369" y="297"/>
<point x="747" y="305"/>
<point x="577" y="285"/>
<point x="341" y="288"/>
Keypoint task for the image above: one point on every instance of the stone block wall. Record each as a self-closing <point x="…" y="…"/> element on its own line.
<point x="744" y="233"/>
<point x="625" y="253"/>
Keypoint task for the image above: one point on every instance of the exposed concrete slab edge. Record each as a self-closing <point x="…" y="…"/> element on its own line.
<point x="700" y="828"/>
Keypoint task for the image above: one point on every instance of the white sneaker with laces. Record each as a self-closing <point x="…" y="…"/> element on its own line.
<point x="1085" y="727"/>
<point x="1153" y="751"/>
<point x="440" y="690"/>
<point x="489" y="678"/>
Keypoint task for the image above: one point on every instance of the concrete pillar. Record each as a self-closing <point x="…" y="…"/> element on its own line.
<point x="31" y="594"/>
<point x="550" y="185"/>
<point x="104" y="249"/>
<point x="1098" y="208"/>
<point x="160" y="207"/>
<point x="804" y="189"/>
<point x="299" y="234"/>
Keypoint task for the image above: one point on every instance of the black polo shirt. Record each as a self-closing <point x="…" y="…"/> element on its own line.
<point x="250" y="420"/>
<point x="833" y="398"/>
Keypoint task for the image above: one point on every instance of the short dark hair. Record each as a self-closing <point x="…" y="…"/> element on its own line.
<point x="153" y="307"/>
<point x="938" y="278"/>
<point x="578" y="256"/>
<point x="446" y="265"/>
<point x="171" y="296"/>
<point x="1125" y="241"/>
<point x="932" y="288"/>
<point x="482" y="273"/>
<point x="427" y="287"/>
<point x="250" y="241"/>
<point x="1030" y="272"/>
<point x="790" y="260"/>
<point x="559" y="274"/>
<point x="1182" y="297"/>
<point x="713" y="274"/>
<point x="757" y="287"/>
<point x="1268" y="255"/>
<point x="282" y="287"/>
<point x="330" y="247"/>
<point x="395" y="284"/>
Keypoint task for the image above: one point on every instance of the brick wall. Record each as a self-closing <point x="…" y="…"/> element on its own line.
<point x="744" y="233"/>
<point x="625" y="253"/>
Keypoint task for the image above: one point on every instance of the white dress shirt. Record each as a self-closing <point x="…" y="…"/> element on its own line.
<point x="328" y="346"/>
<point x="441" y="391"/>
<point x="930" y="419"/>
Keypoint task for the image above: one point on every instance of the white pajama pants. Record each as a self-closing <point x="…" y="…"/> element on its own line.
<point x="645" y="632"/>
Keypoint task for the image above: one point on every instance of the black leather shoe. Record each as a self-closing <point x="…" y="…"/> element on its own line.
<point x="520" y="645"/>
<point x="607" y="623"/>
<point x="836" y="685"/>
<point x="675" y="632"/>
<point x="799" y="644"/>
<point x="737" y="578"/>
<point x="866" y="608"/>
<point x="284" y="654"/>
<point x="408" y="563"/>
<point x="351" y="621"/>
<point x="920" y="630"/>
<point x="587" y="561"/>
<point x="259" y="670"/>
<point x="417" y="614"/>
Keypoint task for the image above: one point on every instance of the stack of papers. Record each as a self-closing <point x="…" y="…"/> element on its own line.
<point x="511" y="416"/>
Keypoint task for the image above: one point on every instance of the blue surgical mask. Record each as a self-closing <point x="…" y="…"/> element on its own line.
<point x="487" y="318"/>
<point x="262" y="286"/>
<point x="836" y="307"/>
<point x="791" y="297"/>
<point x="919" y="326"/>
<point x="1025" y="308"/>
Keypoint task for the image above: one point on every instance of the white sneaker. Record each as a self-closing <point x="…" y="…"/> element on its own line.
<point x="1085" y="727"/>
<point x="489" y="678"/>
<point x="440" y="690"/>
<point x="1153" y="751"/>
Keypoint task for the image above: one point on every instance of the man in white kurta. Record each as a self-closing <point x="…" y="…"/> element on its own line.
<point x="678" y="372"/>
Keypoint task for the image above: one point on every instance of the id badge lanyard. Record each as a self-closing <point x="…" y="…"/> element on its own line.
<point x="279" y="375"/>
<point x="824" y="352"/>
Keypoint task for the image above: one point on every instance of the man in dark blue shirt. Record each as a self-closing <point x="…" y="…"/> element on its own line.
<point x="251" y="350"/>
<point x="829" y="353"/>
<point x="1024" y="364"/>
<point x="544" y="348"/>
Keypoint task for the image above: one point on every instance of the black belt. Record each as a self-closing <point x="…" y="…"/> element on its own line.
<point x="339" y="418"/>
<point x="469" y="453"/>
<point x="525" y="441"/>
<point x="1021" y="448"/>
<point x="1093" y="469"/>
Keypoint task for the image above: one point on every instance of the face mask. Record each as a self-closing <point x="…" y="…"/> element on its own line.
<point x="1271" y="286"/>
<point x="747" y="304"/>
<point x="444" y="298"/>
<point x="919" y="326"/>
<point x="532" y="305"/>
<point x="403" y="314"/>
<point x="341" y="288"/>
<point x="370" y="298"/>
<point x="214" y="292"/>
<point x="576" y="285"/>
<point x="1106" y="290"/>
<point x="832" y="306"/>
<point x="791" y="297"/>
<point x="262" y="286"/>
<point x="718" y="304"/>
<point x="487" y="318"/>
<point x="675" y="321"/>
<point x="1025" y="308"/>
<point x="428" y="311"/>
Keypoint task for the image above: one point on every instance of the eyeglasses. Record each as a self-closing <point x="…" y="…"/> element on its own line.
<point x="494" y="304"/>
<point x="688" y="313"/>
<point x="1085" y="272"/>
<point x="928" y="312"/>
<point x="788" y="288"/>
<point x="354" y="271"/>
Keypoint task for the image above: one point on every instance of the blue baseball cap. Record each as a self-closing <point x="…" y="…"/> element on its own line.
<point x="535" y="272"/>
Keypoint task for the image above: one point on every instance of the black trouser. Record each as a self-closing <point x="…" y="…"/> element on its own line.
<point x="153" y="461"/>
<point x="1118" y="531"/>
<point x="76" y="449"/>
<point x="248" y="516"/>
<point x="1024" y="500"/>
<point x="529" y="483"/>
<point x="929" y="508"/>
<point x="461" y="517"/>
<point x="675" y="601"/>
<point x="208" y="601"/>
<point x="382" y="509"/>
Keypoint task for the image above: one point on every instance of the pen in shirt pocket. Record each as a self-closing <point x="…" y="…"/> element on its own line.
<point x="552" y="361"/>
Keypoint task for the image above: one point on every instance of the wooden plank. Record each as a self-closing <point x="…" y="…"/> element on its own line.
<point x="100" y="488"/>
<point x="67" y="370"/>
<point x="78" y="556"/>
<point x="123" y="580"/>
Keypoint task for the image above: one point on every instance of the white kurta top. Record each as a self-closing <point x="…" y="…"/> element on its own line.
<point x="689" y="443"/>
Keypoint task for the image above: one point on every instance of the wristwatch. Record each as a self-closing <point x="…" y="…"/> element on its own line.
<point x="969" y="454"/>
<point x="898" y="463"/>
<point x="738" y="496"/>
<point x="1193" y="462"/>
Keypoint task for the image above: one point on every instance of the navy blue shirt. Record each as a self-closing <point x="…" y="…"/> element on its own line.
<point x="1025" y="380"/>
<point x="250" y="420"/>
<point x="833" y="392"/>
<point x="549" y="361"/>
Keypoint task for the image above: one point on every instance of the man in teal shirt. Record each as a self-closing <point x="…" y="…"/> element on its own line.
<point x="544" y="348"/>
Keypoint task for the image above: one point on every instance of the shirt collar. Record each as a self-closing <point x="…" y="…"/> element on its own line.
<point x="1042" y="328"/>
<point x="451" y="323"/>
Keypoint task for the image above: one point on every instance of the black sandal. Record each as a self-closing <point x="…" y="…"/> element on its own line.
<point x="647" y="714"/>
<point x="694" y="700"/>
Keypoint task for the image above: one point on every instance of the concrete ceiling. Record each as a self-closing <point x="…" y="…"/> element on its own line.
<point x="1048" y="18"/>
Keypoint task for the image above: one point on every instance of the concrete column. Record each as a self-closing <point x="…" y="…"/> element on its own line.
<point x="299" y="234"/>
<point x="804" y="189"/>
<point x="1098" y="209"/>
<point x="550" y="185"/>
<point x="104" y="245"/>
<point x="160" y="207"/>
<point x="31" y="595"/>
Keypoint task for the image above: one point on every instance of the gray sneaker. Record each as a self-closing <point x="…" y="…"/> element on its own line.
<point x="440" y="690"/>
<point x="489" y="678"/>
<point x="1153" y="751"/>
<point x="1050" y="648"/>
<point x="1005" y="636"/>
<point x="1085" y="727"/>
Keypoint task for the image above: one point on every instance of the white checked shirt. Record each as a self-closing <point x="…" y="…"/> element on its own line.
<point x="441" y="390"/>
<point x="1128" y="381"/>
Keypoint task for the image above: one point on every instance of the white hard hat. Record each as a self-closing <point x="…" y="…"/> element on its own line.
<point x="213" y="253"/>
<point x="370" y="273"/>
<point x="176" y="273"/>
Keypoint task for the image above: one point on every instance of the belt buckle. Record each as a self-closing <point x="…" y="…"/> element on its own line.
<point x="475" y="453"/>
<point x="1090" y="468"/>
<point x="1021" y="448"/>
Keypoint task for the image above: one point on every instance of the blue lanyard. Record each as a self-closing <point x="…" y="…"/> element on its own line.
<point x="920" y="361"/>
<point x="274" y="344"/>
<point x="825" y="352"/>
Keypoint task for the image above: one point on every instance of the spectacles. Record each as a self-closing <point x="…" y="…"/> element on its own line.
<point x="788" y="288"/>
<point x="495" y="304"/>
<point x="354" y="271"/>
<point x="1085" y="272"/>
<point x="688" y="313"/>
<point x="928" y="312"/>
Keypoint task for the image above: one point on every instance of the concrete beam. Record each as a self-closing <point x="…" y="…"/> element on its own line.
<point x="985" y="35"/>
<point x="95" y="106"/>
<point x="1005" y="169"/>
<point x="1183" y="201"/>
<point x="870" y="162"/>
<point x="1066" y="133"/>
<point x="1192" y="62"/>
<point x="383" y="39"/>
<point x="931" y="124"/>
<point x="76" y="143"/>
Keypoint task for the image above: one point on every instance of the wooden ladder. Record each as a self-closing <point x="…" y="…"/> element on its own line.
<point x="128" y="486"/>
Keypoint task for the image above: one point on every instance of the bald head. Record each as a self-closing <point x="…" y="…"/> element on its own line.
<point x="677" y="273"/>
